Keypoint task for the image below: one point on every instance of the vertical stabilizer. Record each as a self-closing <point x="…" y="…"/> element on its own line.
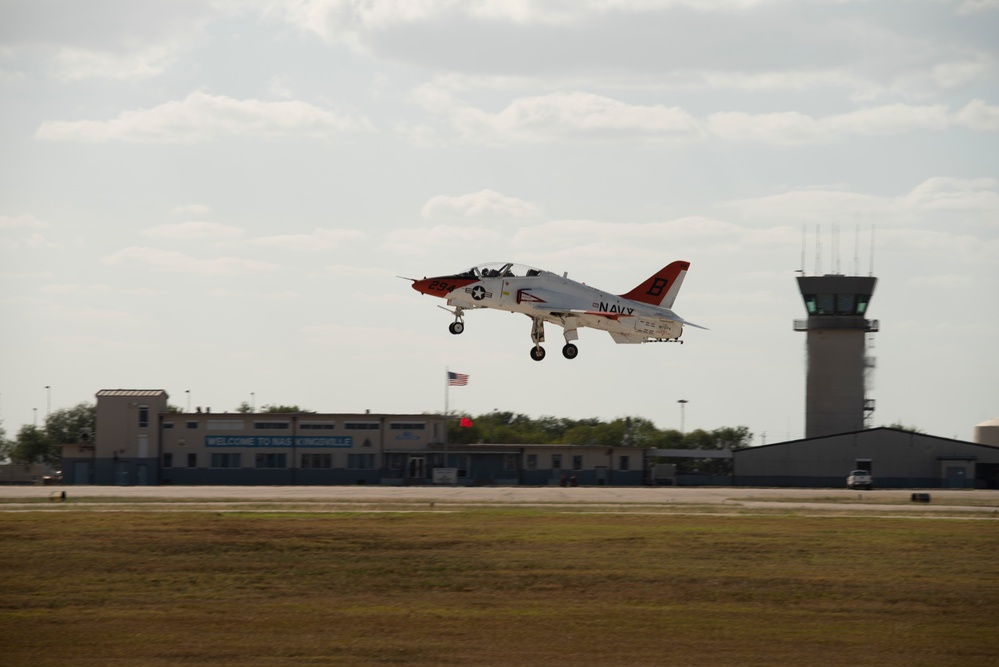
<point x="661" y="288"/>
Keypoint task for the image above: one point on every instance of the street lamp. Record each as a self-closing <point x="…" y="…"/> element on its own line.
<point x="48" y="401"/>
<point x="683" y="405"/>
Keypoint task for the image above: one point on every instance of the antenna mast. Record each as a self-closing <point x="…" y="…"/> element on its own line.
<point x="872" y="250"/>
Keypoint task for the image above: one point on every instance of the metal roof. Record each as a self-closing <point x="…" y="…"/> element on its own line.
<point x="131" y="392"/>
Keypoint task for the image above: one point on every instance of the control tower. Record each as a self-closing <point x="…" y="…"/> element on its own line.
<point x="837" y="359"/>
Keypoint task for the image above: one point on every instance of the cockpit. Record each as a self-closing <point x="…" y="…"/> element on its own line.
<point x="502" y="270"/>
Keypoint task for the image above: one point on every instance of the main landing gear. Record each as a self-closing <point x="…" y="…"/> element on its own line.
<point x="569" y="351"/>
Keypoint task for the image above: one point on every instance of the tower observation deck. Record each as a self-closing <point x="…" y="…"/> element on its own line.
<point x="837" y="363"/>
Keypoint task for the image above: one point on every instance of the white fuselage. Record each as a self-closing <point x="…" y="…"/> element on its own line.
<point x="571" y="305"/>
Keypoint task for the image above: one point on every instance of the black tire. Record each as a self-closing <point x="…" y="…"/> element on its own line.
<point x="456" y="327"/>
<point x="537" y="353"/>
<point x="570" y="351"/>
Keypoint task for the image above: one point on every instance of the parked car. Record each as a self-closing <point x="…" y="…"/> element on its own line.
<point x="860" y="479"/>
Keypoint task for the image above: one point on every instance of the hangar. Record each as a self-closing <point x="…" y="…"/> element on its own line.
<point x="896" y="459"/>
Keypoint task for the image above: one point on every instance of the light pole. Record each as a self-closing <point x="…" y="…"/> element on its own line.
<point x="188" y="392"/>
<point x="48" y="401"/>
<point x="683" y="405"/>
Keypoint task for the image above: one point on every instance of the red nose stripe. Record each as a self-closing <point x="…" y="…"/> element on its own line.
<point x="440" y="286"/>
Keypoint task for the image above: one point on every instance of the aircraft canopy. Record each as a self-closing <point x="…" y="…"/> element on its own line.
<point x="503" y="270"/>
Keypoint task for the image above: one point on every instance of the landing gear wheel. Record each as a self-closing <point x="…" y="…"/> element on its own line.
<point x="570" y="351"/>
<point x="456" y="327"/>
<point x="537" y="353"/>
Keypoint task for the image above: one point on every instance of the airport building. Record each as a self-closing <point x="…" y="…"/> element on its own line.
<point x="895" y="458"/>
<point x="138" y="441"/>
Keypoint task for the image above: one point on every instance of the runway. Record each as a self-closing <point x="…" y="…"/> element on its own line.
<point x="979" y="503"/>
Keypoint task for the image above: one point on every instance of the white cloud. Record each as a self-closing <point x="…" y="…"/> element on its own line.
<point x="424" y="239"/>
<point x="577" y="116"/>
<point x="976" y="6"/>
<point x="319" y="240"/>
<point x="793" y="128"/>
<point x="176" y="262"/>
<point x="958" y="202"/>
<point x="560" y="116"/>
<point x="197" y="231"/>
<point x="977" y="115"/>
<point x="482" y="204"/>
<point x="71" y="64"/>
<point x="192" y="209"/>
<point x="21" y="222"/>
<point x="202" y="117"/>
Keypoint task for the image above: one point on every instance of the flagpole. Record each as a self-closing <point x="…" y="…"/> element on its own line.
<point x="447" y="424"/>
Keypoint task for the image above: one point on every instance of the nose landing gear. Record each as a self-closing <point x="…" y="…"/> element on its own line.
<point x="459" y="323"/>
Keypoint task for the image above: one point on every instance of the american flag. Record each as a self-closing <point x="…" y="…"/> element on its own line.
<point x="456" y="379"/>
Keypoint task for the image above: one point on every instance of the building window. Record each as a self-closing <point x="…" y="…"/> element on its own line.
<point x="532" y="461"/>
<point x="143" y="416"/>
<point x="556" y="461"/>
<point x="509" y="462"/>
<point x="623" y="463"/>
<point x="192" y="460"/>
<point x="167" y="460"/>
<point x="361" y="461"/>
<point x="272" y="460"/>
<point x="361" y="426"/>
<point x="225" y="425"/>
<point x="192" y="424"/>
<point x="317" y="426"/>
<point x="167" y="424"/>
<point x="577" y="462"/>
<point x="273" y="426"/>
<point x="317" y="461"/>
<point x="408" y="426"/>
<point x="227" y="460"/>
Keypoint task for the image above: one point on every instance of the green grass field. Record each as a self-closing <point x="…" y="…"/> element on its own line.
<point x="495" y="587"/>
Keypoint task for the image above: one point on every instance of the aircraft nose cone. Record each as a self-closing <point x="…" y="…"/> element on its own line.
<point x="422" y="286"/>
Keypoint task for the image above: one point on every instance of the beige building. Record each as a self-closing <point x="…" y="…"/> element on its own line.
<point x="139" y="441"/>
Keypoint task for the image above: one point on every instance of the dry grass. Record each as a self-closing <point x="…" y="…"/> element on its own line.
<point x="513" y="587"/>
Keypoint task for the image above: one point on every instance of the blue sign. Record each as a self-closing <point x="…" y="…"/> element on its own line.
<point x="278" y="441"/>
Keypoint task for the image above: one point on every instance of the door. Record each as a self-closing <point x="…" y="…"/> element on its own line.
<point x="416" y="467"/>
<point x="81" y="472"/>
<point x="141" y="474"/>
<point x="120" y="473"/>
<point x="955" y="477"/>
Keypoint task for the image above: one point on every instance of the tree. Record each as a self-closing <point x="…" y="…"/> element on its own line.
<point x="902" y="427"/>
<point x="284" y="408"/>
<point x="34" y="446"/>
<point x="66" y="425"/>
<point x="5" y="444"/>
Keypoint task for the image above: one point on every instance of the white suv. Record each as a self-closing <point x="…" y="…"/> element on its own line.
<point x="860" y="479"/>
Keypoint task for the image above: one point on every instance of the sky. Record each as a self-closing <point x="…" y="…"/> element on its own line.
<point x="217" y="198"/>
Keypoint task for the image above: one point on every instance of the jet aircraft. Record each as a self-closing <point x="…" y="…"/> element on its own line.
<point x="642" y="315"/>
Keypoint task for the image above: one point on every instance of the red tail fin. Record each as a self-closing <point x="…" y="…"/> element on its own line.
<point x="662" y="287"/>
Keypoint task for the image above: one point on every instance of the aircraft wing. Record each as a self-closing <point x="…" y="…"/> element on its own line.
<point x="554" y="309"/>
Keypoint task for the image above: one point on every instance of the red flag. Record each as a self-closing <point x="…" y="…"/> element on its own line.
<point x="465" y="422"/>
